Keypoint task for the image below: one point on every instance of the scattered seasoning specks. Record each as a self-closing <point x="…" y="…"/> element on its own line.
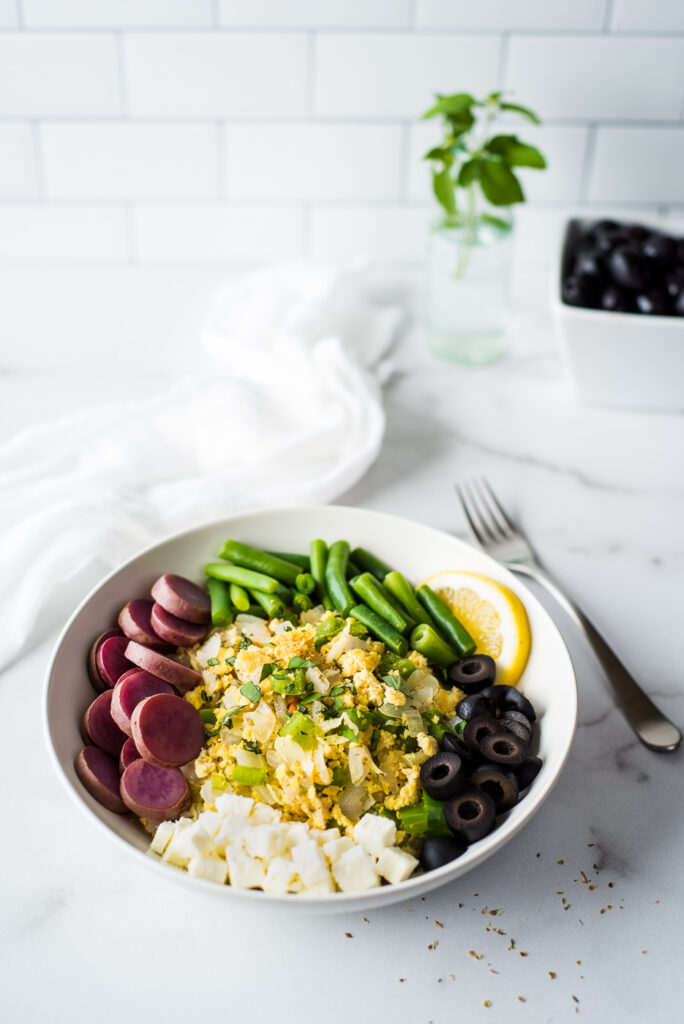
<point x="487" y="1003"/>
<point x="561" y="861"/>
<point x="576" y="999"/>
<point x="552" y="975"/>
<point x="512" y="944"/>
<point x="366" y="920"/>
<point x="349" y="935"/>
<point x="521" y="999"/>
<point x="522" y="953"/>
<point x="471" y="952"/>
<point x="438" y="924"/>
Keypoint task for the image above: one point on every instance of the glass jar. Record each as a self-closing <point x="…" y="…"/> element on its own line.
<point x="467" y="288"/>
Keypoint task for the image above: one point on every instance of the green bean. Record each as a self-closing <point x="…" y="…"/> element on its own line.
<point x="376" y="625"/>
<point x="305" y="583"/>
<point x="318" y="556"/>
<point x="353" y="569"/>
<point x="284" y="593"/>
<point x="286" y="556"/>
<point x="368" y="589"/>
<point x="447" y="623"/>
<point x="260" y="561"/>
<point x="301" y="602"/>
<point x="239" y="597"/>
<point x="256" y="610"/>
<point x="429" y="643"/>
<point x="369" y="563"/>
<point x="245" y="577"/>
<point x="335" y="577"/>
<point x="400" y="589"/>
<point x="219" y="595"/>
<point x="271" y="603"/>
<point x="395" y="604"/>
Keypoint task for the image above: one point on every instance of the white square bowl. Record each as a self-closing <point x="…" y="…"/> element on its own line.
<point x="624" y="360"/>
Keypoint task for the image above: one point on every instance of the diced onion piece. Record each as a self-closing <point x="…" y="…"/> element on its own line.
<point x="249" y="758"/>
<point x="354" y="800"/>
<point x="346" y="642"/>
<point x="390" y="711"/>
<point x="313" y="615"/>
<point x="209" y="649"/>
<point x="318" y="681"/>
<point x="280" y="708"/>
<point x="253" y="627"/>
<point x="358" y="763"/>
<point x="414" y="722"/>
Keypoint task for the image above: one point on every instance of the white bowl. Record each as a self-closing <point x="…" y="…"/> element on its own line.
<point x="416" y="550"/>
<point x="624" y="360"/>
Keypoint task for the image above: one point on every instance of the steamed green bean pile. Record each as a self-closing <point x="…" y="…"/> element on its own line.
<point x="356" y="584"/>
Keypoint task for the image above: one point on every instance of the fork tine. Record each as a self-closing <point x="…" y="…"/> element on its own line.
<point x="488" y="521"/>
<point x="485" y="484"/>
<point x="477" y="513"/>
<point x="462" y="497"/>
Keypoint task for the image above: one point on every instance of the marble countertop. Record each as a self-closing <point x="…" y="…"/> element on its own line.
<point x="577" y="918"/>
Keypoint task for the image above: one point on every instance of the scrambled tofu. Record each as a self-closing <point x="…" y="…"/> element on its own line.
<point x="316" y="721"/>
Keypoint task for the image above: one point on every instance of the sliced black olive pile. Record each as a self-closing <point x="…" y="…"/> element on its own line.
<point x="626" y="268"/>
<point x="485" y="770"/>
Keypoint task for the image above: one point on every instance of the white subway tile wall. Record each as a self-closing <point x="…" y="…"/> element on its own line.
<point x="216" y="134"/>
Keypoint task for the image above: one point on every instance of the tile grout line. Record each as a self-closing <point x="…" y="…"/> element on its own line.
<point x="588" y="162"/>
<point x="311" y="48"/>
<point x="121" y="72"/>
<point x="502" y="67"/>
<point x="608" y="15"/>
<point x="307" y="230"/>
<point x="21" y="20"/>
<point x="215" y="13"/>
<point x="221" y="165"/>
<point x="37" y="147"/>
<point x="412" y="14"/>
<point x="131" y="234"/>
<point x="404" y="161"/>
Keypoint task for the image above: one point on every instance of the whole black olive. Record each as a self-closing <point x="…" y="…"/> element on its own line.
<point x="439" y="850"/>
<point x="615" y="299"/>
<point x="528" y="771"/>
<point x="443" y="775"/>
<point x="473" y="704"/>
<point x="578" y="292"/>
<point x="501" y="786"/>
<point x="504" y="748"/>
<point x="587" y="263"/>
<point x="605" y="240"/>
<point x="628" y="266"/>
<point x="679" y="254"/>
<point x="495" y="694"/>
<point x="660" y="248"/>
<point x="674" y="282"/>
<point x="514" y="700"/>
<point x="638" y="232"/>
<point x="472" y="673"/>
<point x="604" y="227"/>
<point x="476" y="730"/>
<point x="652" y="302"/>
<point x="513" y="721"/>
<point x="470" y="815"/>
<point x="679" y="304"/>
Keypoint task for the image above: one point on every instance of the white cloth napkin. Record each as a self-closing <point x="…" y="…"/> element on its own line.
<point x="284" y="408"/>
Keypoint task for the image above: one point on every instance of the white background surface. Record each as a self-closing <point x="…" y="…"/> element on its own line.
<point x="86" y="931"/>
<point x="134" y="174"/>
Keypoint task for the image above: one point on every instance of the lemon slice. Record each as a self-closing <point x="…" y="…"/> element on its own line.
<point x="493" y="615"/>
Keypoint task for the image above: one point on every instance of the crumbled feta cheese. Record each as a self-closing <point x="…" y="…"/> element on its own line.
<point x="262" y="841"/>
<point x="245" y="872"/>
<point x="280" y="876"/>
<point x="210" y="821"/>
<point x="336" y="847"/>
<point x="375" y="832"/>
<point x="177" y="852"/>
<point x="264" y="815"/>
<point x="396" y="865"/>
<point x="230" y="805"/>
<point x="354" y="871"/>
<point x="161" y="837"/>
<point x="310" y="863"/>
<point x="214" y="869"/>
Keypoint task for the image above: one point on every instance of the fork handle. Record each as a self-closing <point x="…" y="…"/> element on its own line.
<point x="650" y="725"/>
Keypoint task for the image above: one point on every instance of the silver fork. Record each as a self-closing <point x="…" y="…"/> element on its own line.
<point x="493" y="530"/>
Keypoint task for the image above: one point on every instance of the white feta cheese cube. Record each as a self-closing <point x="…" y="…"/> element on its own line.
<point x="262" y="841"/>
<point x="229" y="804"/>
<point x="264" y="815"/>
<point x="354" y="871"/>
<point x="214" y="869"/>
<point x="197" y="841"/>
<point x="177" y="852"/>
<point x="161" y="837"/>
<point x="375" y="833"/>
<point x="210" y="821"/>
<point x="323" y="836"/>
<point x="281" y="876"/>
<point x="295" y="832"/>
<point x="336" y="847"/>
<point x="209" y="649"/>
<point x="396" y="865"/>
<point x="231" y="833"/>
<point x="311" y="865"/>
<point x="245" y="872"/>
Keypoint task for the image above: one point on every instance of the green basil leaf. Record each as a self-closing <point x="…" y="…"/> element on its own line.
<point x="458" y="103"/>
<point x="523" y="111"/>
<point x="267" y="670"/>
<point x="514" y="152"/>
<point x="300" y="663"/>
<point x="443" y="187"/>
<point x="469" y="172"/>
<point x="251" y="692"/>
<point x="499" y="184"/>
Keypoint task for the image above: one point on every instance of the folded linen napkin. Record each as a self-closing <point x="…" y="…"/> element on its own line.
<point x="284" y="408"/>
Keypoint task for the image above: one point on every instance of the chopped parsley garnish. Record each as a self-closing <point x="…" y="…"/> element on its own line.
<point x="208" y="716"/>
<point x="252" y="746"/>
<point x="230" y="660"/>
<point x="244" y="642"/>
<point x="299" y="663"/>
<point x="212" y="661"/>
<point x="251" y="692"/>
<point x="267" y="670"/>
